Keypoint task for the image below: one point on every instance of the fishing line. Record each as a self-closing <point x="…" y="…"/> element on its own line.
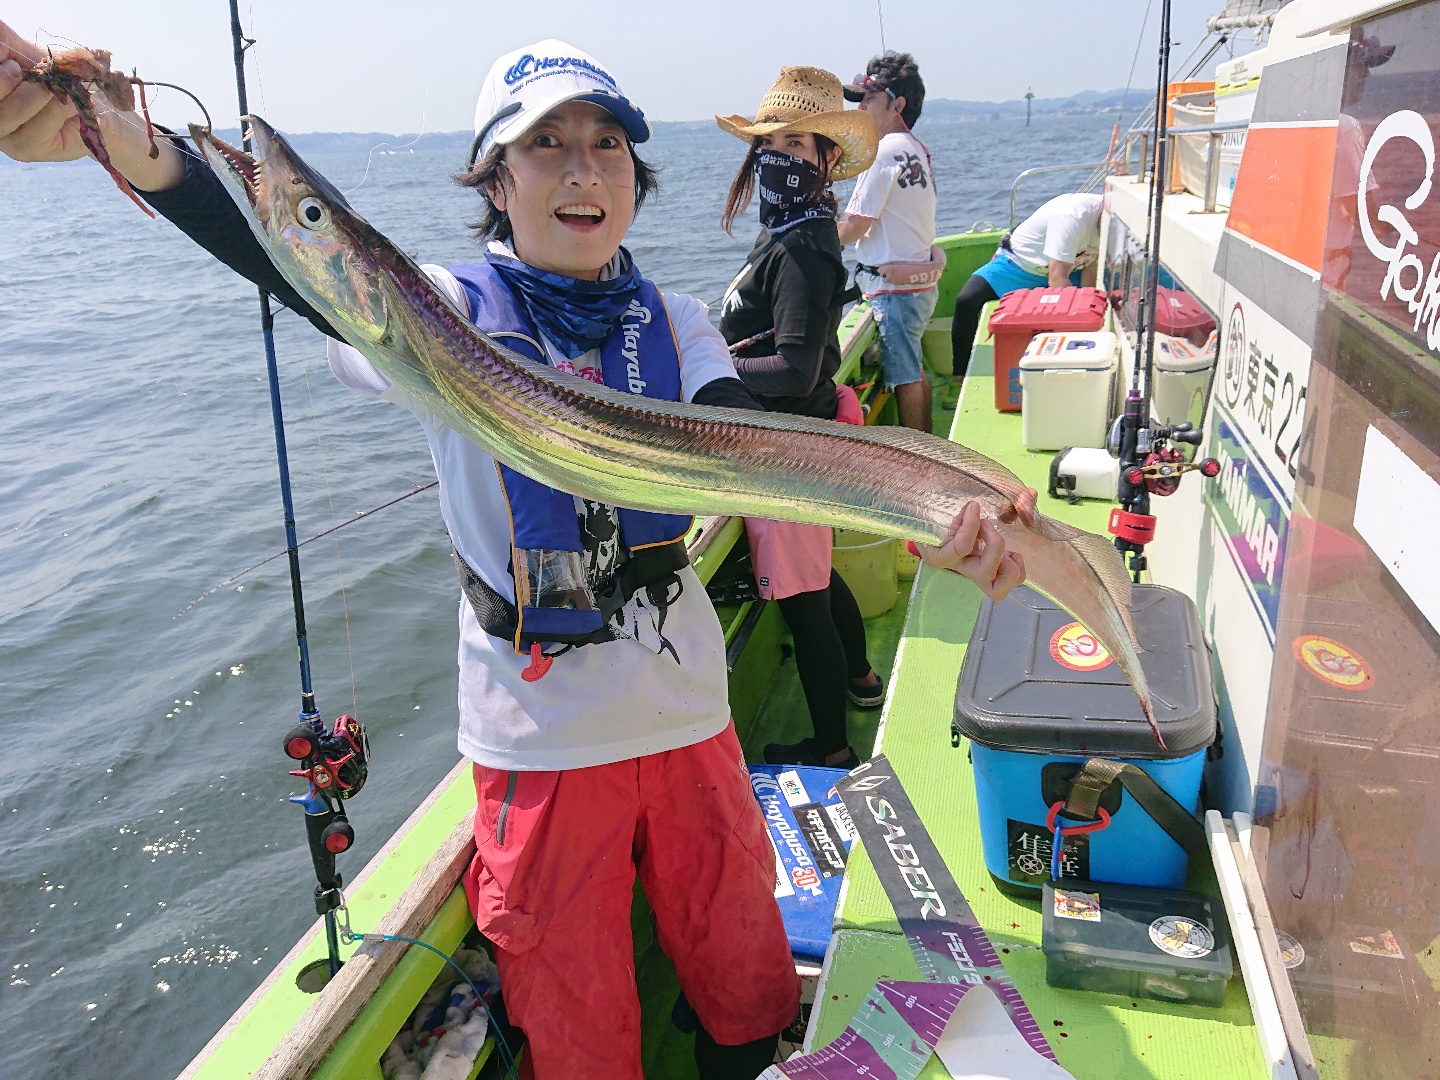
<point x="368" y="157"/>
<point x="250" y="41"/>
<point x="359" y="516"/>
<point x="880" y="11"/>
<point x="507" y="1057"/>
<point x="1134" y="60"/>
<point x="171" y="86"/>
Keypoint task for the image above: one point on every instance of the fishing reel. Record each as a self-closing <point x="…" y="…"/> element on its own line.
<point x="335" y="763"/>
<point x="1160" y="469"/>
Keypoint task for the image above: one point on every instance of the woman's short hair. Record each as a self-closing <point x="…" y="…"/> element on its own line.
<point x="494" y="224"/>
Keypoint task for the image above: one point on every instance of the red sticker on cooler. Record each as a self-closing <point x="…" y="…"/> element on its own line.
<point x="1074" y="647"/>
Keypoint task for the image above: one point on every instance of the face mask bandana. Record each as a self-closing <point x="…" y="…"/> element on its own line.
<point x="788" y="187"/>
<point x="576" y="315"/>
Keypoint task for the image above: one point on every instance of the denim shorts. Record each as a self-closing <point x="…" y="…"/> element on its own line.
<point x="900" y="319"/>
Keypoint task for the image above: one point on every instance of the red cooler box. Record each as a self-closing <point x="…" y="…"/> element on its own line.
<point x="1022" y="314"/>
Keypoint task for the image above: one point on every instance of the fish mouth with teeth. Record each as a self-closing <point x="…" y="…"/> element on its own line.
<point x="244" y="167"/>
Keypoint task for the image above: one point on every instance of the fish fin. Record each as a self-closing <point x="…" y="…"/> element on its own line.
<point x="985" y="469"/>
<point x="1103" y="559"/>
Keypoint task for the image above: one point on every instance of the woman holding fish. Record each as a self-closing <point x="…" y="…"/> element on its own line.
<point x="780" y="316"/>
<point x="592" y="674"/>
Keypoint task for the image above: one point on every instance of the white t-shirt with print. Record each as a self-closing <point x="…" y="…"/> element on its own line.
<point x="1067" y="229"/>
<point x="899" y="192"/>
<point x="600" y="703"/>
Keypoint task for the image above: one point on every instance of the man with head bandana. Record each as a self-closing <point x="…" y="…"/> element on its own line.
<point x="891" y="220"/>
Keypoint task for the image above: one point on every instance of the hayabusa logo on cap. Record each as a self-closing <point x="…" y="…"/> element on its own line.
<point x="529" y="65"/>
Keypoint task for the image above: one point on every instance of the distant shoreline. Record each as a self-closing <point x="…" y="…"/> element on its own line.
<point x="1089" y="103"/>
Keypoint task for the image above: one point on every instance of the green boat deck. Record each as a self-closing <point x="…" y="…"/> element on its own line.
<point x="1094" y="1035"/>
<point x="918" y="647"/>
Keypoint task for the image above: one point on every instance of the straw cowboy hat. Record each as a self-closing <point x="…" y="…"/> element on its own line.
<point x="809" y="99"/>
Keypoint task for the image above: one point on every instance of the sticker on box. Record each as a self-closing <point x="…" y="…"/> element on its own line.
<point x="1070" y="904"/>
<point x="792" y="788"/>
<point x="782" y="879"/>
<point x="840" y="816"/>
<point x="1074" y="647"/>
<point x="1031" y="848"/>
<point x="1182" y="937"/>
<point x="1381" y="944"/>
<point x="824" y="845"/>
<point x="1292" y="953"/>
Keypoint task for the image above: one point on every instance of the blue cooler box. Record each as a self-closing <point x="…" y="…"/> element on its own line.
<point x="811" y="831"/>
<point x="1038" y="696"/>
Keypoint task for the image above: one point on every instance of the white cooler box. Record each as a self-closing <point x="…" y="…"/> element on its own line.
<point x="1182" y="379"/>
<point x="1067" y="380"/>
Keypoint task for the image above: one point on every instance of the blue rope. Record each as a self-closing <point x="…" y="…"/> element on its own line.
<point x="506" y="1057"/>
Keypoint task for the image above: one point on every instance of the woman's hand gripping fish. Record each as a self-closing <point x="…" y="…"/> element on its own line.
<point x="641" y="452"/>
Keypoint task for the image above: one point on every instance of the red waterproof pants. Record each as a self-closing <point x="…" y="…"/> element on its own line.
<point x="551" y="885"/>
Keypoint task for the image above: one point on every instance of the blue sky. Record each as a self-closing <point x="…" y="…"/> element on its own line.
<point x="380" y="65"/>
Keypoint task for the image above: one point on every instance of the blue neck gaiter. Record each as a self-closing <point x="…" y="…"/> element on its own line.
<point x="576" y="315"/>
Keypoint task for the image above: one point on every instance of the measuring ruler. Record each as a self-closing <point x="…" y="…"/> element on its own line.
<point x="937" y="921"/>
<point x="891" y="1036"/>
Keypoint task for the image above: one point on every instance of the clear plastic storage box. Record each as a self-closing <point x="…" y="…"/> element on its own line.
<point x="1140" y="943"/>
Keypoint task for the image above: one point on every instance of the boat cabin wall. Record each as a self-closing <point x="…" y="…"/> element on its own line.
<point x="1349" y="791"/>
<point x="1255" y="271"/>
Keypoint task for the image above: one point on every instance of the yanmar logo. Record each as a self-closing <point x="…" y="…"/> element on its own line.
<point x="1406" y="274"/>
<point x="635" y="316"/>
<point x="529" y="65"/>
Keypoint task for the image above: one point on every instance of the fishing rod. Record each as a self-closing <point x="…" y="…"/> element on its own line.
<point x="333" y="762"/>
<point x="1148" y="463"/>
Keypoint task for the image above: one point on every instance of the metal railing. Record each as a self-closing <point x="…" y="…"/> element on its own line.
<point x="1015" y="187"/>
<point x="1126" y="159"/>
<point x="1215" y="134"/>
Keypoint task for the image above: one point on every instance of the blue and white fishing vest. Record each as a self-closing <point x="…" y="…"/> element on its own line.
<point x="553" y="601"/>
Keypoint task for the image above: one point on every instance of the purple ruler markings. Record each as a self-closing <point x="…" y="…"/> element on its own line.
<point x="938" y="923"/>
<point x="891" y="1036"/>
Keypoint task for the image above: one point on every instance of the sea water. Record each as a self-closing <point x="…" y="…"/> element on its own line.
<point x="151" y="870"/>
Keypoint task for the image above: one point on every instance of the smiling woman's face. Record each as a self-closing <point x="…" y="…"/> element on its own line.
<point x="569" y="189"/>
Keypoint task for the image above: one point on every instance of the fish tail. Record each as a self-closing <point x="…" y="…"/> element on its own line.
<point x="1103" y="560"/>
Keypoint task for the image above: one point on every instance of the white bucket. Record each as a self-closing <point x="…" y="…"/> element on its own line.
<point x="867" y="563"/>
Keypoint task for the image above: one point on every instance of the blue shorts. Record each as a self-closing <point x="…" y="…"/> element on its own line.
<point x="1005" y="275"/>
<point x="900" y="320"/>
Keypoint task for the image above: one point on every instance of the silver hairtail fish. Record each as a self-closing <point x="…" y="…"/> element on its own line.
<point x="641" y="452"/>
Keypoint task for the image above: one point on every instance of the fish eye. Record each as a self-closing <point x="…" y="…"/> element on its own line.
<point x="311" y="213"/>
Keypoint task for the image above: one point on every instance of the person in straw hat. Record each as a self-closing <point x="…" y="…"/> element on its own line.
<point x="780" y="317"/>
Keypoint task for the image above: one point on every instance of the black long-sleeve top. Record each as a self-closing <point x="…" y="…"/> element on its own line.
<point x="793" y="284"/>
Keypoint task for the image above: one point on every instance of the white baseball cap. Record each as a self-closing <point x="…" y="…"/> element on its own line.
<point x="524" y="85"/>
